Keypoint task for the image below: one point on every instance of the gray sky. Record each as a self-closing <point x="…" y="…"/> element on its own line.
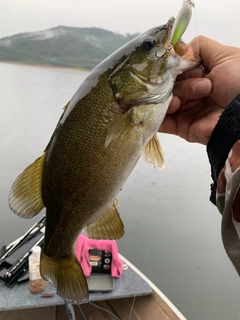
<point x="216" y="19"/>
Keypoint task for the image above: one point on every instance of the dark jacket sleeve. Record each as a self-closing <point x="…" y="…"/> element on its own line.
<point x="224" y="136"/>
<point x="224" y="156"/>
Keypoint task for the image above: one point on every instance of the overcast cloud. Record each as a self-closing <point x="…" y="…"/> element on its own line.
<point x="216" y="19"/>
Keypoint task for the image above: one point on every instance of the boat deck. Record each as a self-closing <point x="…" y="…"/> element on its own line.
<point x="134" y="297"/>
<point x="129" y="285"/>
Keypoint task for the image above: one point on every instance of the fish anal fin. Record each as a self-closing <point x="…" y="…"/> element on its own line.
<point x="67" y="276"/>
<point x="153" y="153"/>
<point x="108" y="226"/>
<point x="25" y="197"/>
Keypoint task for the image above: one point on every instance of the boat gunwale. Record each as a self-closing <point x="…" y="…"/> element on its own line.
<point x="170" y="307"/>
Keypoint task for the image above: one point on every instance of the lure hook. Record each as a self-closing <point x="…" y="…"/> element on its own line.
<point x="166" y="52"/>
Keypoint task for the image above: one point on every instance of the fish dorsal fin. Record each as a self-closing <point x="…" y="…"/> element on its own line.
<point x="153" y="153"/>
<point x="66" y="106"/>
<point x="108" y="226"/>
<point x="25" y="198"/>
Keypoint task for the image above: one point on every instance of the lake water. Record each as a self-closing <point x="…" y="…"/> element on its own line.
<point x="172" y="230"/>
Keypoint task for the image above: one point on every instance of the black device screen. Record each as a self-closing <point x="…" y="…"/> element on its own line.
<point x="100" y="260"/>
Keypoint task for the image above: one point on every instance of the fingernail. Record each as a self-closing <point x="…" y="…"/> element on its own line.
<point x="202" y="86"/>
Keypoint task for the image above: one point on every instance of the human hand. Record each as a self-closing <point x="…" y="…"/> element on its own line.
<point x="201" y="95"/>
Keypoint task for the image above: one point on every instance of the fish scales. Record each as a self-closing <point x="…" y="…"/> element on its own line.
<point x="84" y="181"/>
<point x="87" y="182"/>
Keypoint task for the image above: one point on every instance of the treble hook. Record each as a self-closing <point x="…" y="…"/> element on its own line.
<point x="166" y="51"/>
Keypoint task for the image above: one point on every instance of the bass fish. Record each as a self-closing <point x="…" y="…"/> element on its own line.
<point x="110" y="122"/>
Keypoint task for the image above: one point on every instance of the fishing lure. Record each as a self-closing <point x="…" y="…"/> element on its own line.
<point x="180" y="25"/>
<point x="182" y="21"/>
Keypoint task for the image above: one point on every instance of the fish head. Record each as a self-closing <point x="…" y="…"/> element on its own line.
<point x="147" y="73"/>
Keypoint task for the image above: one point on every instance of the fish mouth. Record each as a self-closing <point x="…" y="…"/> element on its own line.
<point x="170" y="23"/>
<point x="168" y="27"/>
<point x="182" y="49"/>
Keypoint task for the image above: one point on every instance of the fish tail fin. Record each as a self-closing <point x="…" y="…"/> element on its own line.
<point x="67" y="276"/>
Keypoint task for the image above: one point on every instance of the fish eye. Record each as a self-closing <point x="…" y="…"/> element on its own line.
<point x="148" y="43"/>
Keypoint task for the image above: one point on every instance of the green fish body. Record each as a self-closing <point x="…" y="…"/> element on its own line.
<point x="105" y="128"/>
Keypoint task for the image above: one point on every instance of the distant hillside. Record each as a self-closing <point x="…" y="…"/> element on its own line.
<point x="62" y="46"/>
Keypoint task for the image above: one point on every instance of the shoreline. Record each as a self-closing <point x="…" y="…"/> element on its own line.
<point x="46" y="66"/>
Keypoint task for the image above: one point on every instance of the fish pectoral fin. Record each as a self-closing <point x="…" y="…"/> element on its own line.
<point x="67" y="276"/>
<point x="153" y="153"/>
<point x="124" y="125"/>
<point x="119" y="130"/>
<point x="25" y="197"/>
<point x="108" y="226"/>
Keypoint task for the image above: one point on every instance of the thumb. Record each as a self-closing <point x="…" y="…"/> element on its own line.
<point x="193" y="88"/>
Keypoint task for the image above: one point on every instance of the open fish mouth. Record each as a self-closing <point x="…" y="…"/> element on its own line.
<point x="179" y="48"/>
<point x="170" y="24"/>
<point x="169" y="27"/>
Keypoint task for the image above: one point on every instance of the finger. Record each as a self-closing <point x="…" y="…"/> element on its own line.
<point x="211" y="52"/>
<point x="194" y="73"/>
<point x="191" y="89"/>
<point x="175" y="104"/>
<point x="169" y="125"/>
